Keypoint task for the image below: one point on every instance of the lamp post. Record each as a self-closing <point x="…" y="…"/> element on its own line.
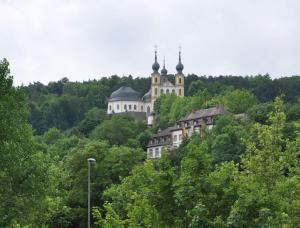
<point x="89" y="160"/>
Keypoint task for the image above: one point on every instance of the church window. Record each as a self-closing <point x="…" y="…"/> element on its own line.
<point x="129" y="107"/>
<point x="148" y="109"/>
<point x="118" y="106"/>
<point x="173" y="90"/>
<point x="125" y="107"/>
<point x="179" y="92"/>
<point x="155" y="79"/>
<point x="110" y="107"/>
<point x="161" y="91"/>
<point x="134" y="107"/>
<point x="180" y="137"/>
<point x="167" y="91"/>
<point x="155" y="91"/>
<point x="179" y="80"/>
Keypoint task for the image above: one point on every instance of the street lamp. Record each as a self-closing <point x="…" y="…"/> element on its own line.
<point x="89" y="160"/>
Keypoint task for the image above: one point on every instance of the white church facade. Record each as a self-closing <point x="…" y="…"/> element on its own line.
<point x="126" y="99"/>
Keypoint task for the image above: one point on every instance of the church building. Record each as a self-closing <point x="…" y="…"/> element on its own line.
<point x="126" y="99"/>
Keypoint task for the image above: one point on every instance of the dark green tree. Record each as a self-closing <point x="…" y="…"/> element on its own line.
<point x="24" y="172"/>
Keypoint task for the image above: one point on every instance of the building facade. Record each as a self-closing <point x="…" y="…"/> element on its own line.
<point x="126" y="99"/>
<point x="195" y="122"/>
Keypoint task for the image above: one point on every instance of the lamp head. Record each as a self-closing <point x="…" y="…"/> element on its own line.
<point x="91" y="160"/>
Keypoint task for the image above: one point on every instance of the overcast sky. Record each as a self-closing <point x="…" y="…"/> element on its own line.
<point x="86" y="39"/>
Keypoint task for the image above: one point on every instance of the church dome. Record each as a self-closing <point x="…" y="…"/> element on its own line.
<point x="125" y="94"/>
<point x="164" y="70"/>
<point x="179" y="67"/>
<point x="155" y="66"/>
<point x="147" y="96"/>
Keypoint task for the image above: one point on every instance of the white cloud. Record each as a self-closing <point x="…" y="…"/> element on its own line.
<point x="47" y="40"/>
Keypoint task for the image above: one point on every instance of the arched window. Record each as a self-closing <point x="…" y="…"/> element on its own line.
<point x="161" y="91"/>
<point x="155" y="91"/>
<point x="155" y="79"/>
<point x="179" y="80"/>
<point x="173" y="90"/>
<point x="129" y="107"/>
<point x="179" y="92"/>
<point x="118" y="106"/>
<point x="142" y="108"/>
<point x="167" y="91"/>
<point x="134" y="107"/>
<point x="148" y="109"/>
<point x="110" y="107"/>
<point x="125" y="106"/>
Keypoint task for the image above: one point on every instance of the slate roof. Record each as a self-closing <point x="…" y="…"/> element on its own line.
<point x="164" y="132"/>
<point x="219" y="110"/>
<point x="147" y="96"/>
<point x="125" y="94"/>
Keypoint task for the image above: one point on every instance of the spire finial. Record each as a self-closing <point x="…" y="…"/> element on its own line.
<point x="155" y="65"/>
<point x="179" y="53"/>
<point x="179" y="66"/>
<point x="164" y="70"/>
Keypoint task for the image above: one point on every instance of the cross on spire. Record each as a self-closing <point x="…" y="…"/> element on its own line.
<point x="179" y="53"/>
<point x="155" y="50"/>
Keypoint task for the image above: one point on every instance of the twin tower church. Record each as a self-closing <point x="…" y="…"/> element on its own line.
<point x="125" y="99"/>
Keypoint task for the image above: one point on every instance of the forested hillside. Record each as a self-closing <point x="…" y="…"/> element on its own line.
<point x="65" y="104"/>
<point x="243" y="173"/>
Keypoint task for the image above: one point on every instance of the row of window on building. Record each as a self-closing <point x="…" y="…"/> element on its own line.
<point x="130" y="107"/>
<point x="207" y="120"/>
<point x="167" y="91"/>
<point x="175" y="138"/>
<point x="167" y="139"/>
<point x="154" y="153"/>
<point x="164" y="79"/>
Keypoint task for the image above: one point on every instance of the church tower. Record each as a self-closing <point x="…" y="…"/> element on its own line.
<point x="179" y="77"/>
<point x="155" y="80"/>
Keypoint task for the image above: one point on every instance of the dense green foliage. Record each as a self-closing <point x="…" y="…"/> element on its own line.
<point x="261" y="191"/>
<point x="243" y="173"/>
<point x="64" y="104"/>
<point x="25" y="171"/>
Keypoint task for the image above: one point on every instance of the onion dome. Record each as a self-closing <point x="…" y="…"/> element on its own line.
<point x="179" y="66"/>
<point x="125" y="94"/>
<point x="164" y="70"/>
<point x="155" y="66"/>
<point x="147" y="96"/>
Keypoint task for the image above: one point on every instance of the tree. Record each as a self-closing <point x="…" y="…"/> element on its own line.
<point x="93" y="117"/>
<point x="118" y="130"/>
<point x="237" y="101"/>
<point x="24" y="175"/>
<point x="112" y="165"/>
<point x="195" y="87"/>
<point x="268" y="183"/>
<point x="226" y="142"/>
